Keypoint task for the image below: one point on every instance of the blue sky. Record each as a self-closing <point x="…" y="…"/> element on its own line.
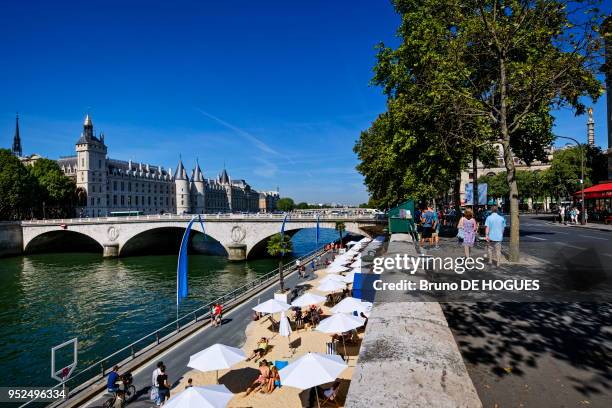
<point x="279" y="91"/>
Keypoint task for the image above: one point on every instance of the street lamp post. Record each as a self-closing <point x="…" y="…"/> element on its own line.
<point x="581" y="147"/>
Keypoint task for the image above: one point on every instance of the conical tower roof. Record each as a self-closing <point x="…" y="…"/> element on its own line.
<point x="198" y="176"/>
<point x="224" y="178"/>
<point x="181" y="173"/>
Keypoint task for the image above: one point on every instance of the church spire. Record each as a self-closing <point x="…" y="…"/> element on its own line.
<point x="17" y="151"/>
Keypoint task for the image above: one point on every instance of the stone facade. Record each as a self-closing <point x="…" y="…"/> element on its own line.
<point x="106" y="186"/>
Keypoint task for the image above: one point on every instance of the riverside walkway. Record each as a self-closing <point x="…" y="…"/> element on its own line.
<point x="231" y="333"/>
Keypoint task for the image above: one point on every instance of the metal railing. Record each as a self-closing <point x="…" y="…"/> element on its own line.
<point x="207" y="217"/>
<point x="167" y="332"/>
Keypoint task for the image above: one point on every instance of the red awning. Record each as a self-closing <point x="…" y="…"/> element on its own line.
<point x="603" y="190"/>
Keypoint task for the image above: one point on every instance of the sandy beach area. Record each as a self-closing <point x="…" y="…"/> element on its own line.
<point x="300" y="342"/>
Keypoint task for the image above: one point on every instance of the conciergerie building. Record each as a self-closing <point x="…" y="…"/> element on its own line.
<point x="106" y="185"/>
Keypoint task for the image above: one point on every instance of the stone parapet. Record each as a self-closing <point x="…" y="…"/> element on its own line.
<point x="409" y="357"/>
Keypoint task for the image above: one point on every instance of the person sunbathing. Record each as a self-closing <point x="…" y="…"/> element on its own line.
<point x="262" y="379"/>
<point x="260" y="351"/>
<point x="273" y="380"/>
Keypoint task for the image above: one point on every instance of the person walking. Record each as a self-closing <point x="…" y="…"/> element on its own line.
<point x="561" y="214"/>
<point x="427" y="218"/>
<point x="470" y="227"/>
<point x="154" y="385"/>
<point x="435" y="234"/>
<point x="163" y="387"/>
<point x="495" y="225"/>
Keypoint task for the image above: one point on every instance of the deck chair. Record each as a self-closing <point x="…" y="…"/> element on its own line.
<point x="332" y="399"/>
<point x="274" y="322"/>
<point x="330" y="348"/>
<point x="279" y="364"/>
<point x="299" y="323"/>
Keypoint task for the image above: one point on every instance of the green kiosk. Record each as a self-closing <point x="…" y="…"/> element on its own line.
<point x="401" y="219"/>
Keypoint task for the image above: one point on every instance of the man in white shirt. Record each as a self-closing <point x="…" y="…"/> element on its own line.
<point x="154" y="383"/>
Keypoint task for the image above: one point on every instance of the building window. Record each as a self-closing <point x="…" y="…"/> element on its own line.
<point x="122" y="200"/>
<point x="149" y="200"/>
<point x="115" y="185"/>
<point x="129" y="200"/>
<point x="92" y="201"/>
<point x="122" y="186"/>
<point x="82" y="162"/>
<point x="99" y="164"/>
<point x="114" y="200"/>
<point x="98" y="200"/>
<point x="130" y="186"/>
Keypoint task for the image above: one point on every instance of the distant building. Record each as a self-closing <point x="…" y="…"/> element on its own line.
<point x="467" y="176"/>
<point x="106" y="185"/>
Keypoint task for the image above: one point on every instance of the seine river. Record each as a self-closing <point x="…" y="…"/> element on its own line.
<point x="47" y="299"/>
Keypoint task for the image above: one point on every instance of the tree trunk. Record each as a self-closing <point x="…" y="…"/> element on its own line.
<point x="474" y="181"/>
<point x="510" y="169"/>
<point x="280" y="275"/>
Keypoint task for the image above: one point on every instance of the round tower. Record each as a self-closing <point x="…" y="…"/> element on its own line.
<point x="181" y="181"/>
<point x="198" y="203"/>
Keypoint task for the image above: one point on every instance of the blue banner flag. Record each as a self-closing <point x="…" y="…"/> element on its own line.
<point x="282" y="234"/>
<point x="318" y="230"/>
<point x="182" y="289"/>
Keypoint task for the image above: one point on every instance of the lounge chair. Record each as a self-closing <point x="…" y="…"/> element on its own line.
<point x="299" y="323"/>
<point x="330" y="348"/>
<point x="332" y="399"/>
<point x="274" y="322"/>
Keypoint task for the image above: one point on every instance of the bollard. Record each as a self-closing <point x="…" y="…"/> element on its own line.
<point x="132" y="350"/>
<point x="157" y="337"/>
<point x="102" y="369"/>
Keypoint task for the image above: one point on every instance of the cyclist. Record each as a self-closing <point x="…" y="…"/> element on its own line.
<point x="113" y="379"/>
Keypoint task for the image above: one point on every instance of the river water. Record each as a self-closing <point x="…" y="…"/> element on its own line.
<point x="47" y="299"/>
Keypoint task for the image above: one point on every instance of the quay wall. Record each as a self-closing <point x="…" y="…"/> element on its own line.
<point x="409" y="357"/>
<point x="11" y="238"/>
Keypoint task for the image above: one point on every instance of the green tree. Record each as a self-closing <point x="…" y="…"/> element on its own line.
<point x="280" y="245"/>
<point x="54" y="191"/>
<point x="16" y="187"/>
<point x="491" y="68"/>
<point x="562" y="179"/>
<point x="302" y="206"/>
<point x="497" y="187"/>
<point x="340" y="227"/>
<point x="285" y="204"/>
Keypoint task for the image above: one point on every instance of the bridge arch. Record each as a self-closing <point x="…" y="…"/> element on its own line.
<point x="167" y="240"/>
<point x="58" y="240"/>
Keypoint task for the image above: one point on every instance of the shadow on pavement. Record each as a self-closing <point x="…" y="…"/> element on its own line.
<point x="517" y="335"/>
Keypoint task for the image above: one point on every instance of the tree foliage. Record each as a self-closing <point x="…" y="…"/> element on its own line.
<point x="471" y="71"/>
<point x="277" y="247"/>
<point x="16" y="187"/>
<point x="40" y="190"/>
<point x="285" y="204"/>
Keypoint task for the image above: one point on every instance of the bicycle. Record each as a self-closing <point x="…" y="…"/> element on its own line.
<point x="129" y="390"/>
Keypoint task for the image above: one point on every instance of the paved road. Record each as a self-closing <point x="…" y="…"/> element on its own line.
<point x="544" y="354"/>
<point x="231" y="333"/>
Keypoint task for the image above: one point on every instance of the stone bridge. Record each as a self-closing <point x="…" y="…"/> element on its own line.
<point x="241" y="236"/>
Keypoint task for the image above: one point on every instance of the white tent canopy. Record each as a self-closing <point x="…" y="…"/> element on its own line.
<point x="336" y="269"/>
<point x="350" y="305"/>
<point x="340" y="323"/>
<point x="308" y="299"/>
<point x="331" y="277"/>
<point x="208" y="396"/>
<point x="331" y="286"/>
<point x="272" y="306"/>
<point x="312" y="369"/>
<point x="216" y="357"/>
